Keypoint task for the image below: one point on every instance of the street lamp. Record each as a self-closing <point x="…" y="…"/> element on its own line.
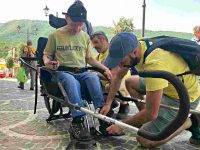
<point x="46" y="11"/>
<point x="143" y="18"/>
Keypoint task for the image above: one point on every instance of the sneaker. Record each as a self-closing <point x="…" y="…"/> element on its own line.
<point x="79" y="132"/>
<point x="21" y="85"/>
<point x="123" y="111"/>
<point x="195" y="129"/>
<point x="195" y="138"/>
<point x="31" y="89"/>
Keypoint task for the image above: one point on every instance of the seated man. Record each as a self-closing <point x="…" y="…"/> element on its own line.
<point x="101" y="44"/>
<point x="70" y="47"/>
<point x="126" y="51"/>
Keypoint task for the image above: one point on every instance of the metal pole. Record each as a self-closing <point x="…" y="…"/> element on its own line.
<point x="143" y="18"/>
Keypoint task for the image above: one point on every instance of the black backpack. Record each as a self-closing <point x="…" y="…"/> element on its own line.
<point x="187" y="49"/>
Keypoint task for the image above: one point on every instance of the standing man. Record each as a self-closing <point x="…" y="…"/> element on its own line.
<point x="101" y="44"/>
<point x="196" y="32"/>
<point x="29" y="52"/>
<point x="70" y="48"/>
<point x="126" y="50"/>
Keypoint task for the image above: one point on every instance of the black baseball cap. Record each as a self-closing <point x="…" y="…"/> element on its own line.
<point x="77" y="12"/>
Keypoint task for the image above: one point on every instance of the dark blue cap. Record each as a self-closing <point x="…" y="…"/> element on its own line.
<point x="120" y="45"/>
<point x="77" y="12"/>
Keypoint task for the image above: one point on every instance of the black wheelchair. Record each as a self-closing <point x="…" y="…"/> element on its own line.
<point x="55" y="97"/>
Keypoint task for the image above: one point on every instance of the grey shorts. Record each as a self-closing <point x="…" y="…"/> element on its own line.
<point x="165" y="115"/>
<point x="142" y="86"/>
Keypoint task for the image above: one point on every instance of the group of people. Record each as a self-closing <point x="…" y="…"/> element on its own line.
<point x="71" y="47"/>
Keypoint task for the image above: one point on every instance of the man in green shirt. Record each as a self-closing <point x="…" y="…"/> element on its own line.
<point x="70" y="47"/>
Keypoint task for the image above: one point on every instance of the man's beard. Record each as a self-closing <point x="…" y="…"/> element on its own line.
<point x="133" y="62"/>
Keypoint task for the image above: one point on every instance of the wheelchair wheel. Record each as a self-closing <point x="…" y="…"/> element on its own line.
<point x="53" y="107"/>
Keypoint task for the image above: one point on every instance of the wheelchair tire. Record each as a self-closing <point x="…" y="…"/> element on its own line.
<point x="52" y="106"/>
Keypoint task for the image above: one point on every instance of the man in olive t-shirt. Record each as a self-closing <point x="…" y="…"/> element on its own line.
<point x="70" y="47"/>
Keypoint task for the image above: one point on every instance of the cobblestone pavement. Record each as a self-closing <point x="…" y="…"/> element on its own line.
<point x="20" y="129"/>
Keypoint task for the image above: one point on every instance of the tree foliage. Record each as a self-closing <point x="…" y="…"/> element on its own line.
<point x="9" y="37"/>
<point x="124" y="24"/>
<point x="10" y="63"/>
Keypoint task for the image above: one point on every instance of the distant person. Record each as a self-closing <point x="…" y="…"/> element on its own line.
<point x="28" y="52"/>
<point x="196" y="32"/>
<point x="101" y="44"/>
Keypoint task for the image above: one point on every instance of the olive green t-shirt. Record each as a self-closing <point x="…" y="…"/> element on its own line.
<point x="69" y="50"/>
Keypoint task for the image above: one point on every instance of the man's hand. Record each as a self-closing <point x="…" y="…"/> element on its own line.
<point x="108" y="74"/>
<point x="114" y="129"/>
<point x="105" y="109"/>
<point x="52" y="64"/>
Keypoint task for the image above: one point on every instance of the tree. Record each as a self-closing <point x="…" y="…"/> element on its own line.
<point x="124" y="24"/>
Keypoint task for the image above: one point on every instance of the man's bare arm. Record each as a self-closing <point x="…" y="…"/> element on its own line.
<point x="149" y="113"/>
<point x="115" y="83"/>
<point x="95" y="63"/>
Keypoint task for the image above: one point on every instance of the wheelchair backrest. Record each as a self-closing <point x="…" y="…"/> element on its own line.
<point x="42" y="41"/>
<point x="57" y="22"/>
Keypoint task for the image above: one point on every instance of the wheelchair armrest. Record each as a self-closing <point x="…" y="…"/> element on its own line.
<point x="28" y="65"/>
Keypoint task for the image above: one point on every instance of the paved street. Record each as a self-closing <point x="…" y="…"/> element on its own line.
<point x="20" y="129"/>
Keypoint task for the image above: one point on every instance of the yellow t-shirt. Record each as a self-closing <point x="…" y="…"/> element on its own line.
<point x="69" y="50"/>
<point x="101" y="58"/>
<point x="29" y="50"/>
<point x="167" y="61"/>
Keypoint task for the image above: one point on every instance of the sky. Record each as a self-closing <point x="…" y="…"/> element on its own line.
<point x="171" y="15"/>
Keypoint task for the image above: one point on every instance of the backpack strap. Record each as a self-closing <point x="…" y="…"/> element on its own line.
<point x="147" y="42"/>
<point x="157" y="44"/>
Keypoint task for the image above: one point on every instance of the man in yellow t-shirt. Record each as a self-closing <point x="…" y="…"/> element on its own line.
<point x="69" y="48"/>
<point x="125" y="50"/>
<point x="101" y="44"/>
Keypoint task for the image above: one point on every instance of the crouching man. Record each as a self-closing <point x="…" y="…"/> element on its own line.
<point x="126" y="50"/>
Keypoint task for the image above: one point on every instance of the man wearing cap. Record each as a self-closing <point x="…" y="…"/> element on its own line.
<point x="101" y="44"/>
<point x="126" y="51"/>
<point x="70" y="48"/>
